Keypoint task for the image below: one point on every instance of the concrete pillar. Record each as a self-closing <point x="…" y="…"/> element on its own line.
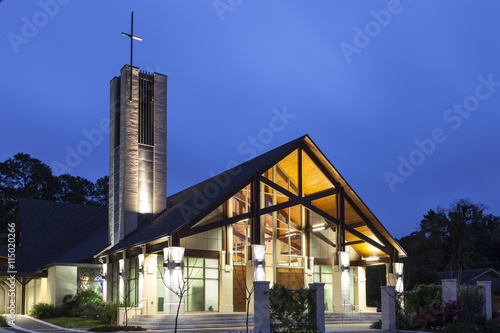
<point x="107" y="285"/>
<point x="399" y="277"/>
<point x="342" y="282"/>
<point x="121" y="280"/>
<point x="226" y="284"/>
<point x="449" y="290"/>
<point x="318" y="290"/>
<point x="43" y="296"/>
<point x="360" y="285"/>
<point x="173" y="279"/>
<point x="261" y="315"/>
<point x="487" y="309"/>
<point x="388" y="296"/>
<point x="140" y="280"/>
<point x="150" y="284"/>
<point x="105" y="282"/>
<point x="309" y="271"/>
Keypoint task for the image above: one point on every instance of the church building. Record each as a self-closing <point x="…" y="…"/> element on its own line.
<point x="286" y="216"/>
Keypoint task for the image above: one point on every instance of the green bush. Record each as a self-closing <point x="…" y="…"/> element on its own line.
<point x="109" y="312"/>
<point x="43" y="310"/>
<point x="291" y="310"/>
<point x="422" y="298"/>
<point x="87" y="304"/>
<point x="3" y="321"/>
<point x="116" y="328"/>
<point x="376" y="325"/>
<point x="472" y="302"/>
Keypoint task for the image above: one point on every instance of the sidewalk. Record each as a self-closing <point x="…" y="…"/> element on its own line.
<point x="27" y="324"/>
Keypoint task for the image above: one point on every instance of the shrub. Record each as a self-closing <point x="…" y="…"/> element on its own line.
<point x="109" y="312"/>
<point x="116" y="328"/>
<point x="87" y="304"/>
<point x="423" y="297"/>
<point x="472" y="301"/>
<point x="291" y="310"/>
<point x="376" y="325"/>
<point x="3" y="321"/>
<point x="43" y="310"/>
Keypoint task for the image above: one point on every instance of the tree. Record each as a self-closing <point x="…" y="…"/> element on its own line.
<point x="26" y="177"/>
<point x="23" y="176"/>
<point x="76" y="190"/>
<point x="460" y="237"/>
<point x="101" y="191"/>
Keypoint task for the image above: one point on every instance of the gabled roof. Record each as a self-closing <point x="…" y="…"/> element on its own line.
<point x="470" y="276"/>
<point x="191" y="205"/>
<point x="55" y="231"/>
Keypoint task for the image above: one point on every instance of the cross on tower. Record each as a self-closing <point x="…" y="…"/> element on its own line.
<point x="132" y="37"/>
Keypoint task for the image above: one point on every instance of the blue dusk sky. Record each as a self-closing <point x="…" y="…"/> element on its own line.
<point x="403" y="97"/>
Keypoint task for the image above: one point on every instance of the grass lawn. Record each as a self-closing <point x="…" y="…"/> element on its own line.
<point x="74" y="322"/>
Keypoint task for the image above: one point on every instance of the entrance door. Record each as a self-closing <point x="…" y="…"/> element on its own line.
<point x="292" y="278"/>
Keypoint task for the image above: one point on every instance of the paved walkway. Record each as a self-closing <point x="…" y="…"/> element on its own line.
<point x="27" y="324"/>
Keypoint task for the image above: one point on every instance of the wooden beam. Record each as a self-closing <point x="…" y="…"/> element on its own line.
<point x="322" y="194"/>
<point x="299" y="152"/>
<point x="256" y="210"/>
<point x="369" y="224"/>
<point x="355" y="242"/>
<point x="215" y="225"/>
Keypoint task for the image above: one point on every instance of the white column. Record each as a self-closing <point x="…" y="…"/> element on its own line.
<point x="226" y="283"/>
<point x="105" y="282"/>
<point x="259" y="255"/>
<point x="121" y="280"/>
<point x="174" y="280"/>
<point x="342" y="282"/>
<point x="309" y="271"/>
<point x="486" y="293"/>
<point x="449" y="290"/>
<point x="360" y="294"/>
<point x="140" y="259"/>
<point x="399" y="281"/>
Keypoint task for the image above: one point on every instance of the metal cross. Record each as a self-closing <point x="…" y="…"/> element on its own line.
<point x="132" y="37"/>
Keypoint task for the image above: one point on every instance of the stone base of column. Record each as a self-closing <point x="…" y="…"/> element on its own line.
<point x="319" y="298"/>
<point x="388" y="296"/>
<point x="261" y="315"/>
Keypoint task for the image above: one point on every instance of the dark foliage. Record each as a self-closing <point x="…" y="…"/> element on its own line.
<point x="460" y="237"/>
<point x="23" y="176"/>
<point x="291" y="310"/>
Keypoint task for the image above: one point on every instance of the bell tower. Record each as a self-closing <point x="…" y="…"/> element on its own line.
<point x="137" y="150"/>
